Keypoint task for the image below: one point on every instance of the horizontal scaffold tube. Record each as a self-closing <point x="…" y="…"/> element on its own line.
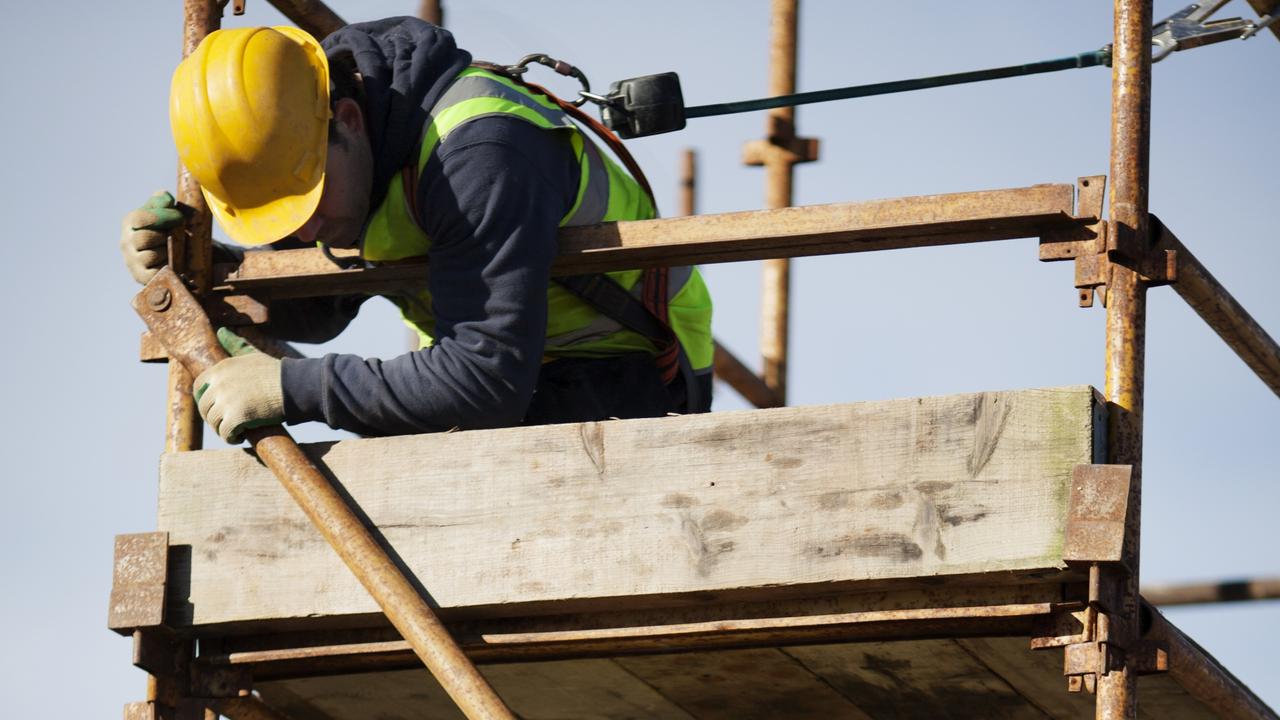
<point x="311" y="15"/>
<point x="920" y="221"/>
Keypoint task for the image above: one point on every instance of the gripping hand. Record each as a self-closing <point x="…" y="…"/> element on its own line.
<point x="144" y="233"/>
<point x="241" y="392"/>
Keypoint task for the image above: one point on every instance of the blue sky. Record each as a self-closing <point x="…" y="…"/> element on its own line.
<point x="86" y="139"/>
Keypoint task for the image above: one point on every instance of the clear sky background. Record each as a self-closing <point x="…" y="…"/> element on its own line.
<point x="86" y="138"/>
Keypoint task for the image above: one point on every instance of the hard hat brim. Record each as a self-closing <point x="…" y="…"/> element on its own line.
<point x="266" y="223"/>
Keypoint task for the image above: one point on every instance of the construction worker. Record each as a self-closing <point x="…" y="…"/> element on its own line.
<point x="387" y="139"/>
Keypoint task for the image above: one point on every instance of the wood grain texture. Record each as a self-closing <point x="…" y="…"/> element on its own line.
<point x="564" y="690"/>
<point x="689" y="509"/>
<point x="927" y="679"/>
<point x="1035" y="674"/>
<point x="933" y="679"/>
<point x="742" y="685"/>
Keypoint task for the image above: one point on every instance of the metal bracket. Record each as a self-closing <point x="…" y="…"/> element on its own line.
<point x="1097" y="245"/>
<point x="1097" y="514"/>
<point x="219" y="682"/>
<point x="1086" y="244"/>
<point x="138" y="582"/>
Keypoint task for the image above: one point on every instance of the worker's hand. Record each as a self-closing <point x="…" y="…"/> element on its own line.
<point x="144" y="233"/>
<point x="241" y="392"/>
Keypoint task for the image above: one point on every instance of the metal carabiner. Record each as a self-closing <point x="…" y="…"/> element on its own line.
<point x="560" y="66"/>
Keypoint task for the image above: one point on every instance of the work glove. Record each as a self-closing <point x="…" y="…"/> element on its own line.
<point x="144" y="234"/>
<point x="241" y="392"/>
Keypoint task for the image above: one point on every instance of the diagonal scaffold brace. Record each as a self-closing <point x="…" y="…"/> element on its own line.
<point x="177" y="319"/>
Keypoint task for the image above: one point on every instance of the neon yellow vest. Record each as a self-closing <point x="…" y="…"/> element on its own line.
<point x="605" y="193"/>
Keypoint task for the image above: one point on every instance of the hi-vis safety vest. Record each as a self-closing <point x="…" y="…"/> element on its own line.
<point x="605" y="193"/>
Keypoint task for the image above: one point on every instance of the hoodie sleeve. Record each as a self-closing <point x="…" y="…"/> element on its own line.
<point x="491" y="199"/>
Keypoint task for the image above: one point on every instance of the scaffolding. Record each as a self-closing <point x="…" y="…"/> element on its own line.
<point x="1083" y="601"/>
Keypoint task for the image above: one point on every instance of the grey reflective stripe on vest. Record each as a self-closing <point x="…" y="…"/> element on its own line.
<point x="477" y="86"/>
<point x="595" y="198"/>
<point x="599" y="329"/>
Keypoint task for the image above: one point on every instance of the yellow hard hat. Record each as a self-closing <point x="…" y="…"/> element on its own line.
<point x="250" y="110"/>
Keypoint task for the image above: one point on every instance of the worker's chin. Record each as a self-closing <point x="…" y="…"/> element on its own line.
<point x="341" y="241"/>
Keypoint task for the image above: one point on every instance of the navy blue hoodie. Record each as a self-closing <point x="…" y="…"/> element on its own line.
<point x="490" y="197"/>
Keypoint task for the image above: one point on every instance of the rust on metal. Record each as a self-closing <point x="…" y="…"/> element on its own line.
<point x="1126" y="303"/>
<point x="895" y="223"/>
<point x="246" y="708"/>
<point x="432" y="11"/>
<point x="1096" y="514"/>
<point x="1084" y="243"/>
<point x="738" y="376"/>
<point x="188" y="337"/>
<point x="311" y="15"/>
<point x="138" y="582"/>
<point x="211" y="681"/>
<point x="1202" y="676"/>
<point x="1216" y="306"/>
<point x="151" y="350"/>
<point x="159" y="652"/>
<point x="779" y="152"/>
<point x="488" y="642"/>
<point x="689" y="182"/>
<point x="1065" y="625"/>
<point x="190" y="248"/>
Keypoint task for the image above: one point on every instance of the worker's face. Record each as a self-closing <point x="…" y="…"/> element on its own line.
<point x="348" y="181"/>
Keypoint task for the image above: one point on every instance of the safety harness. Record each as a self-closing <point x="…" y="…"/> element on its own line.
<point x="647" y="316"/>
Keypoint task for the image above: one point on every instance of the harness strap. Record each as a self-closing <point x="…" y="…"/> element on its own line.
<point x="648" y="316"/>
<point x="656" y="279"/>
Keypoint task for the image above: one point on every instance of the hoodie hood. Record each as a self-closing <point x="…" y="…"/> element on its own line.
<point x="406" y="64"/>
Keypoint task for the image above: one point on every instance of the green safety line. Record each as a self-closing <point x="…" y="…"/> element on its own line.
<point x="1083" y="60"/>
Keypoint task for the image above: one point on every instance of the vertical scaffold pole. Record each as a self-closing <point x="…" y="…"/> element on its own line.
<point x="190" y="251"/>
<point x="432" y="11"/>
<point x="1126" y="325"/>
<point x="778" y="154"/>
<point x="689" y="183"/>
<point x="191" y="255"/>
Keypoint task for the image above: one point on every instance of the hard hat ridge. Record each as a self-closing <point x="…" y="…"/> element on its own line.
<point x="249" y="109"/>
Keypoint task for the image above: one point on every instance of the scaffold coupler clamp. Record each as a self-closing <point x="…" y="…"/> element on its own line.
<point x="1191" y="27"/>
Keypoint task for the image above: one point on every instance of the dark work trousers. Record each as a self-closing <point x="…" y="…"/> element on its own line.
<point x="587" y="389"/>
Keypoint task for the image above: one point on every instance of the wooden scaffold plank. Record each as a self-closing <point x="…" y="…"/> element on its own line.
<point x="742" y="506"/>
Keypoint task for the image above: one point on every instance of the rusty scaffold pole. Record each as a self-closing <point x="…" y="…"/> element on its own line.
<point x="1126" y="307"/>
<point x="191" y="256"/>
<point x="727" y="367"/>
<point x="778" y="153"/>
<point x="432" y="11"/>
<point x="190" y="250"/>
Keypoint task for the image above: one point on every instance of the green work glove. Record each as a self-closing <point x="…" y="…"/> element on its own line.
<point x="144" y="233"/>
<point x="241" y="392"/>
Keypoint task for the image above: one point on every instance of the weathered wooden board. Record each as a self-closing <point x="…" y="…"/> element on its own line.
<point x="926" y="679"/>
<point x="933" y="678"/>
<point x="578" y="689"/>
<point x="742" y="685"/>
<point x="1035" y="674"/>
<point x="658" y="512"/>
